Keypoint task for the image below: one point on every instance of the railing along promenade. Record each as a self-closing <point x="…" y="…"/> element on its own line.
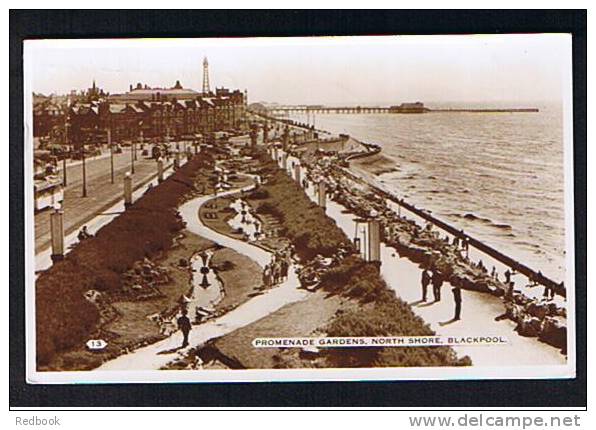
<point x="513" y="264"/>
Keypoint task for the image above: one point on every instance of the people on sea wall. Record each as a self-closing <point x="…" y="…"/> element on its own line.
<point x="412" y="240"/>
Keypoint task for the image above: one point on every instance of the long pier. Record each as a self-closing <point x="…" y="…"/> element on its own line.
<point x="285" y="110"/>
<point x="325" y="109"/>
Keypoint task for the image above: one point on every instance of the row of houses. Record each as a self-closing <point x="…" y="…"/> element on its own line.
<point x="144" y="111"/>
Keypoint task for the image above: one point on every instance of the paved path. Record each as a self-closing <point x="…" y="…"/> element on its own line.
<point x="155" y="356"/>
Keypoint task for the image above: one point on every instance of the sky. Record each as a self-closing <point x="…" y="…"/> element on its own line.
<point x="381" y="70"/>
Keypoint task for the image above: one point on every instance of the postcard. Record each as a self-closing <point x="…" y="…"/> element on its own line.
<point x="299" y="209"/>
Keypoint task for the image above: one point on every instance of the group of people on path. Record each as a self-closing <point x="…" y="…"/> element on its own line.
<point x="277" y="270"/>
<point x="435" y="278"/>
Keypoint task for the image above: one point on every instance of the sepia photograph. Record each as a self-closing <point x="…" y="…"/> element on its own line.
<point x="299" y="208"/>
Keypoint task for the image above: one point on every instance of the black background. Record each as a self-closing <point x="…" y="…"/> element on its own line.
<point x="105" y="24"/>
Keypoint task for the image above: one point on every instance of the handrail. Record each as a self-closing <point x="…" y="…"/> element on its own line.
<point x="517" y="266"/>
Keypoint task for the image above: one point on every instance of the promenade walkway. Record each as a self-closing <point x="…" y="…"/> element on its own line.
<point x="101" y="193"/>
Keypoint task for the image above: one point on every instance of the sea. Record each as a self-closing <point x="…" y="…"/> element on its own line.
<point x="498" y="176"/>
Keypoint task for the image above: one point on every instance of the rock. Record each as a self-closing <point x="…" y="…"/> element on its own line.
<point x="93" y="296"/>
<point x="529" y="326"/>
<point x="520" y="299"/>
<point x="554" y="332"/>
<point x="538" y="310"/>
<point x="514" y="312"/>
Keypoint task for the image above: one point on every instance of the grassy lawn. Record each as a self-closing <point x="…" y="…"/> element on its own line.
<point x="293" y="320"/>
<point x="239" y="281"/>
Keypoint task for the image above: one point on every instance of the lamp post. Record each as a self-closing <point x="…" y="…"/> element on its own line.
<point x="132" y="159"/>
<point x="159" y="170"/>
<point x="111" y="155"/>
<point x="140" y="139"/>
<point x="141" y="142"/>
<point x="127" y="190"/>
<point x="64" y="182"/>
<point x="322" y="195"/>
<point x="84" y="171"/>
<point x="168" y="138"/>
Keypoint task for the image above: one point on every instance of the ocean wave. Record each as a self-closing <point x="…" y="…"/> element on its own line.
<point x="486" y="221"/>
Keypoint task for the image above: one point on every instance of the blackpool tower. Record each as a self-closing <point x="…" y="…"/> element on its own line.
<point x="206" y="76"/>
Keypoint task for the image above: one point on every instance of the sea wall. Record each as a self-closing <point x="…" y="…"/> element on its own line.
<point x="425" y="246"/>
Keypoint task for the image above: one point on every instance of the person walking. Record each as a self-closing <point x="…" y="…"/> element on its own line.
<point x="425" y="281"/>
<point x="184" y="326"/>
<point x="457" y="299"/>
<point x="467" y="246"/>
<point x="507" y="276"/>
<point x="437" y="282"/>
<point x="284" y="268"/>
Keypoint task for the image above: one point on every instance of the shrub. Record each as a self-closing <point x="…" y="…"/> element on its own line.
<point x="259" y="194"/>
<point x="304" y="222"/>
<point x="355" y="278"/>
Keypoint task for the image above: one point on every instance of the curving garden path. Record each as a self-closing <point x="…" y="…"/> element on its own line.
<point x="157" y="355"/>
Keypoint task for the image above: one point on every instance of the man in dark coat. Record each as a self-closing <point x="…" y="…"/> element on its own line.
<point x="425" y="281"/>
<point x="437" y="284"/>
<point x="184" y="326"/>
<point x="457" y="299"/>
